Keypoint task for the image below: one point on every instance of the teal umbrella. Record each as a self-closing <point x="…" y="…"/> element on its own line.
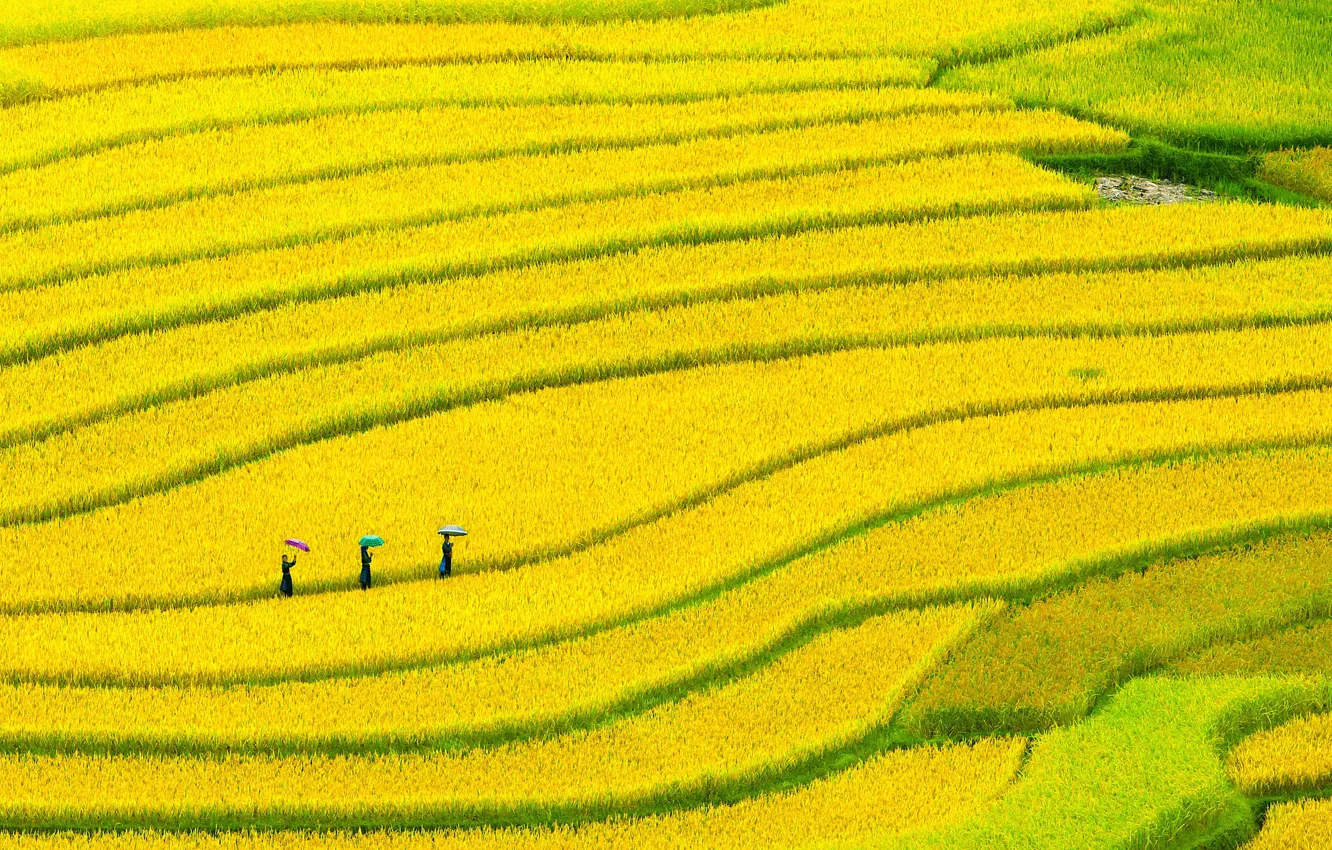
<point x="372" y="540"/>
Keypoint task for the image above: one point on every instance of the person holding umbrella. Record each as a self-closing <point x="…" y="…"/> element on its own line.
<point x="446" y="562"/>
<point x="366" y="542"/>
<point x="285" y="587"/>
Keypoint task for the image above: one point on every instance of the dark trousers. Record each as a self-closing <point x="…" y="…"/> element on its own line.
<point x="365" y="578"/>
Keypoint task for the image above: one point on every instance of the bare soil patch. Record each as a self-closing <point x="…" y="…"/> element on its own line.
<point x="1128" y="189"/>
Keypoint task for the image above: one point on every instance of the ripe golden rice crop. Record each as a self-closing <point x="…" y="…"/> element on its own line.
<point x="1292" y="757"/>
<point x="842" y="463"/>
<point x="1307" y="171"/>
<point x="24" y="22"/>
<point x="900" y="791"/>
<point x="542" y="688"/>
<point x="1022" y="535"/>
<point x="1000" y="244"/>
<point x="749" y="291"/>
<point x="726" y="539"/>
<point x="143" y="449"/>
<point x="222" y="161"/>
<point x="386" y="476"/>
<point x="823" y="28"/>
<point x="1298" y="650"/>
<point x="48" y="130"/>
<point x="1299" y="825"/>
<point x="829" y="692"/>
<point x="414" y="195"/>
<point x="215" y="354"/>
<point x="891" y="191"/>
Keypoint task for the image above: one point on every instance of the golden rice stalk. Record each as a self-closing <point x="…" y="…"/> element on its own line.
<point x="1296" y="756"/>
<point x="1308" y="171"/>
<point x="1298" y="825"/>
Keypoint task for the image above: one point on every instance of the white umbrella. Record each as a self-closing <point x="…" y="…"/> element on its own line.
<point x="452" y="531"/>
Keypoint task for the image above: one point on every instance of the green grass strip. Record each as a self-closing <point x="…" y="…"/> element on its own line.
<point x="1229" y="175"/>
<point x="1067" y="653"/>
<point x="1145" y="771"/>
<point x="1155" y="751"/>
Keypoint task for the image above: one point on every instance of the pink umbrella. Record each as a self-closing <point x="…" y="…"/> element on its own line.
<point x="298" y="544"/>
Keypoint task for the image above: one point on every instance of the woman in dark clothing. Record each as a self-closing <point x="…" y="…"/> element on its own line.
<point x="446" y="563"/>
<point x="365" y="567"/>
<point x="285" y="587"/>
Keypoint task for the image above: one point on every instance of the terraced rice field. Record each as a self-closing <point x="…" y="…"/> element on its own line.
<point x="838" y="468"/>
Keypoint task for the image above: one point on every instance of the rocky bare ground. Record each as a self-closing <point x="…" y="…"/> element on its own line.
<point x="1139" y="190"/>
